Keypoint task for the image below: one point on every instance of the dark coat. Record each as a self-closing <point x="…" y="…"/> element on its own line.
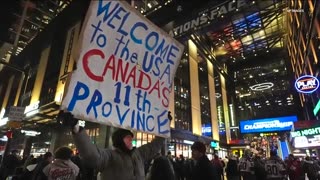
<point x="232" y="168"/>
<point x="116" y="164"/>
<point x="161" y="169"/>
<point x="204" y="170"/>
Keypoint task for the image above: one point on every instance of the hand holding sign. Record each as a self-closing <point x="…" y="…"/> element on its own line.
<point x="125" y="70"/>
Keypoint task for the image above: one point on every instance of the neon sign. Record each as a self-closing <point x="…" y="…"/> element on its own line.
<point x="317" y="108"/>
<point x="268" y="124"/>
<point x="307" y="84"/>
<point x="306" y="132"/>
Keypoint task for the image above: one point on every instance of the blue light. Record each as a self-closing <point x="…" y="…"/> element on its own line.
<point x="268" y="124"/>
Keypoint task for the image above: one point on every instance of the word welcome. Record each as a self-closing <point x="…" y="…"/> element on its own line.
<point x="125" y="70"/>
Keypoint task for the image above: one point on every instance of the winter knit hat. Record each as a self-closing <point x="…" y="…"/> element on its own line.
<point x="117" y="138"/>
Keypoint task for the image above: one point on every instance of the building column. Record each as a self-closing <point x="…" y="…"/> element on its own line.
<point x="27" y="146"/>
<point x="68" y="60"/>
<point x="225" y="107"/>
<point x="16" y="100"/>
<point x="35" y="96"/>
<point x="213" y="102"/>
<point x="194" y="89"/>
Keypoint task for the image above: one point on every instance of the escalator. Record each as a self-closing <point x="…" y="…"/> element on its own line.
<point x="283" y="150"/>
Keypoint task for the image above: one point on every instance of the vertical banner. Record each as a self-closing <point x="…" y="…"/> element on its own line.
<point x="125" y="70"/>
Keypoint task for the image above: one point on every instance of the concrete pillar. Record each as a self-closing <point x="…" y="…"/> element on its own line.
<point x="194" y="89"/>
<point x="40" y="75"/>
<point x="225" y="107"/>
<point x="27" y="146"/>
<point x="213" y="102"/>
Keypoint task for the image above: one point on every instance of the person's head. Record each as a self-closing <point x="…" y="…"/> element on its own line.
<point x="247" y="153"/>
<point x="291" y="157"/>
<point x="198" y="150"/>
<point x="63" y="153"/>
<point x="122" y="139"/>
<point x="216" y="156"/>
<point x="273" y="153"/>
<point x="181" y="157"/>
<point x="48" y="156"/>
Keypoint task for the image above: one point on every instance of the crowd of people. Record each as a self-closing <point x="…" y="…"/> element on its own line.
<point x="124" y="162"/>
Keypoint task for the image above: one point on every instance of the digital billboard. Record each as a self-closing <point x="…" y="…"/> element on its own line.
<point x="268" y="124"/>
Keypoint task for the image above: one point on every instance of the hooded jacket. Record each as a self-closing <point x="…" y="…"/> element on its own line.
<point x="116" y="163"/>
<point x="61" y="169"/>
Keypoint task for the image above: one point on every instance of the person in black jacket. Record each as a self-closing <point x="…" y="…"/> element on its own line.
<point x="232" y="169"/>
<point x="203" y="169"/>
<point x="38" y="174"/>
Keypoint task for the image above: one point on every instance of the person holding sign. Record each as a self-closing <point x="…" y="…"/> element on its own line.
<point x="121" y="163"/>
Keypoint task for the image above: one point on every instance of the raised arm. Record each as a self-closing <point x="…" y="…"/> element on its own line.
<point x="93" y="156"/>
<point x="90" y="153"/>
<point x="147" y="151"/>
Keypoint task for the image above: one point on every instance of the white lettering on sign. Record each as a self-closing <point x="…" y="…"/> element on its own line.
<point x="306" y="84"/>
<point x="270" y="124"/>
<point x="306" y="132"/>
<point x="210" y="15"/>
<point x="30" y="133"/>
<point x="206" y="129"/>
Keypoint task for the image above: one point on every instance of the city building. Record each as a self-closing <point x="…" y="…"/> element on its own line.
<point x="234" y="68"/>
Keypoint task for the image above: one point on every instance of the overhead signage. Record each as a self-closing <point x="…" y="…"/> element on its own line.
<point x="206" y="130"/>
<point x="307" y="84"/>
<point x="125" y="70"/>
<point x="306" y="132"/>
<point x="207" y="15"/>
<point x="214" y="144"/>
<point x="16" y="113"/>
<point x="268" y="124"/>
<point x="317" y="108"/>
<point x="188" y="142"/>
<point x="30" y="132"/>
<point x="305" y="142"/>
<point x="306" y="124"/>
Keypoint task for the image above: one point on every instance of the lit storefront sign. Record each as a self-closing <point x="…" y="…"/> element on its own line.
<point x="307" y="84"/>
<point x="317" y="108"/>
<point x="214" y="144"/>
<point x="304" y="142"/>
<point x="188" y="142"/>
<point x="206" y="130"/>
<point x="207" y="15"/>
<point x="268" y="124"/>
<point x="30" y="133"/>
<point x="306" y="132"/>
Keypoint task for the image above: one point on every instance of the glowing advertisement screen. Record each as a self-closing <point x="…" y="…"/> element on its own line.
<point x="268" y="124"/>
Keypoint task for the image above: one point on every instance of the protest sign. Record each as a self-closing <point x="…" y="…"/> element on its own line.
<point x="125" y="70"/>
